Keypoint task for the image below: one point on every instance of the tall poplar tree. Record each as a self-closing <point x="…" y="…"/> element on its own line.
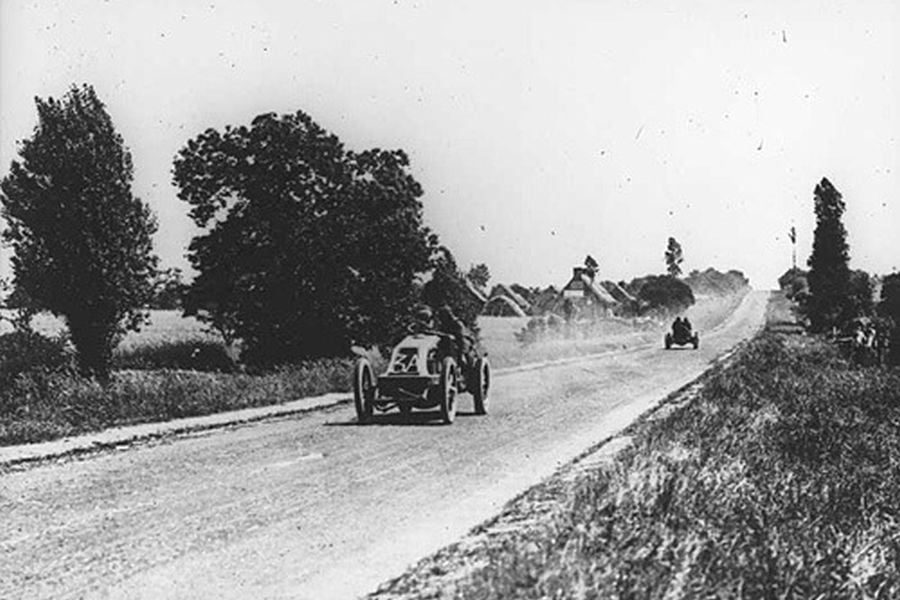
<point x="81" y="240"/>
<point x="829" y="271"/>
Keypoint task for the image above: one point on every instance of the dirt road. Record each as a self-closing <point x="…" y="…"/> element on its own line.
<point x="316" y="506"/>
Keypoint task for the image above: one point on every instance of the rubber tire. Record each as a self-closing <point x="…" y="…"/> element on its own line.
<point x="696" y="341"/>
<point x="668" y="342"/>
<point x="482" y="385"/>
<point x="448" y="389"/>
<point x="364" y="391"/>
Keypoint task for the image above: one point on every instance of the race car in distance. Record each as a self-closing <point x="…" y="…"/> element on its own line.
<point x="682" y="335"/>
<point x="425" y="372"/>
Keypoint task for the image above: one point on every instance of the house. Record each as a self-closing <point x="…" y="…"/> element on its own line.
<point x="506" y="302"/>
<point x="475" y="294"/>
<point x="502" y="306"/>
<point x="586" y="295"/>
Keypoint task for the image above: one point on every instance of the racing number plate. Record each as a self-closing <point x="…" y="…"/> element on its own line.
<point x="407" y="361"/>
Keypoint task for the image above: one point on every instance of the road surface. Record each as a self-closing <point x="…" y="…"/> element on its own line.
<point x="316" y="506"/>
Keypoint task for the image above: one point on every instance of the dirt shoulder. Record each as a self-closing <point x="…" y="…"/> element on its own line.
<point x="768" y="477"/>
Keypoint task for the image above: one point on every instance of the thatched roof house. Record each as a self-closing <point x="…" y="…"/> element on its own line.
<point x="582" y="288"/>
<point x="502" y="306"/>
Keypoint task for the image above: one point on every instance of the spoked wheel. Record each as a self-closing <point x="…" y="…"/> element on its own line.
<point x="364" y="390"/>
<point x="482" y="385"/>
<point x="449" y="375"/>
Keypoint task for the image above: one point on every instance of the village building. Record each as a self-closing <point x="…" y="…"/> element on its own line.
<point x="506" y="302"/>
<point x="585" y="296"/>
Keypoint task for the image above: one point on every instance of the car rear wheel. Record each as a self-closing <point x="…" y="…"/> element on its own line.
<point x="482" y="385"/>
<point x="448" y="389"/>
<point x="364" y="390"/>
<point x="668" y="341"/>
<point x="696" y="341"/>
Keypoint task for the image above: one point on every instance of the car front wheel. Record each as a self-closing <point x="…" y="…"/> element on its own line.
<point x="482" y="385"/>
<point x="363" y="390"/>
<point x="448" y="389"/>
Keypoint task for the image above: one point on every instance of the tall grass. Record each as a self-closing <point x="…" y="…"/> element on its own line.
<point x="780" y="480"/>
<point x="43" y="405"/>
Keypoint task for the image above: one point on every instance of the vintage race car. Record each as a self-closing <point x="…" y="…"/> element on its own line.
<point x="682" y="336"/>
<point x="424" y="373"/>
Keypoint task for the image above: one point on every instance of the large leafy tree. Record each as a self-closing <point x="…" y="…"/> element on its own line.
<point x="889" y="309"/>
<point x="674" y="257"/>
<point x="81" y="240"/>
<point x="307" y="247"/>
<point x="829" y="272"/>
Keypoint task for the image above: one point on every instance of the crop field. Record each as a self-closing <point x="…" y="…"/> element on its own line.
<point x="165" y="326"/>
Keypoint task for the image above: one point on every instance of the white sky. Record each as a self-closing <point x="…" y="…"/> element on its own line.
<point x="541" y="131"/>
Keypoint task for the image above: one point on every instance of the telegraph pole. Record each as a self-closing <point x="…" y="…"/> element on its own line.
<point x="793" y="236"/>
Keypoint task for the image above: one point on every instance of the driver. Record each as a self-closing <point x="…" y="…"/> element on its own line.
<point x="449" y="324"/>
<point x="677" y="326"/>
<point x="423" y="320"/>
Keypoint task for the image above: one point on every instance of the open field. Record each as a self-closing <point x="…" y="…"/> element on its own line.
<point x="776" y="479"/>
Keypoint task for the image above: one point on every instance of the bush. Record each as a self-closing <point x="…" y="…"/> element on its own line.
<point x="661" y="293"/>
<point x="41" y="404"/>
<point x="793" y="282"/>
<point x="25" y="351"/>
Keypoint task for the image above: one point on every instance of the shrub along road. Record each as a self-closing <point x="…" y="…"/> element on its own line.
<point x="316" y="506"/>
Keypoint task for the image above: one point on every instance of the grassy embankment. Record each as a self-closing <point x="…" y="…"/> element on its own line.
<point x="780" y="479"/>
<point x="174" y="368"/>
<point x="171" y="369"/>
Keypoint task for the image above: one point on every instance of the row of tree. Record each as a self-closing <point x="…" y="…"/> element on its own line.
<point x="305" y="248"/>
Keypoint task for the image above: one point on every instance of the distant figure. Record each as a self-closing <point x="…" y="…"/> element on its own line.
<point x="686" y="324"/>
<point x="677" y="327"/>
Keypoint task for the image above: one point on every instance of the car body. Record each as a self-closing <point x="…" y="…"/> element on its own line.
<point x="682" y="336"/>
<point x="424" y="372"/>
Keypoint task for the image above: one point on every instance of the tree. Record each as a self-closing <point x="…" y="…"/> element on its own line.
<point x="480" y="275"/>
<point x="860" y="295"/>
<point x="591" y="265"/>
<point x="307" y="248"/>
<point x="792" y="235"/>
<point x="674" y="257"/>
<point x="889" y="308"/>
<point x="794" y="283"/>
<point x="168" y="289"/>
<point x="829" y="272"/>
<point x="661" y="293"/>
<point x="81" y="240"/>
